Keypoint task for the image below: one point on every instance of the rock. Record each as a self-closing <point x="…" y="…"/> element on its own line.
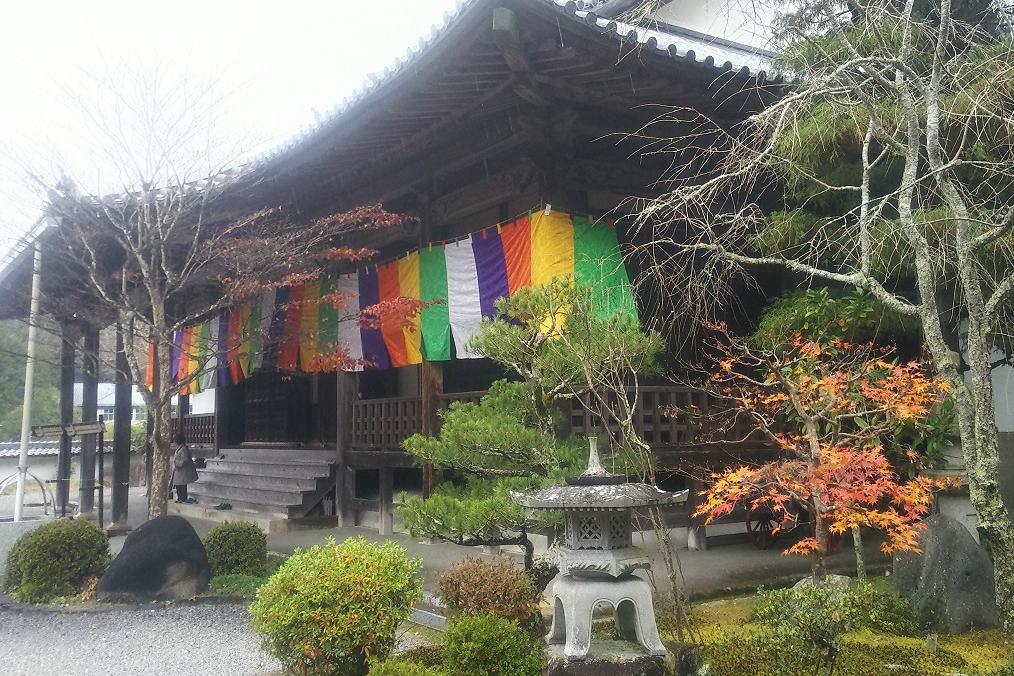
<point x="164" y="559"/>
<point x="843" y="582"/>
<point x="950" y="583"/>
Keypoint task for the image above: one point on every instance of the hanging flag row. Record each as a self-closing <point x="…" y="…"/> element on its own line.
<point x="288" y="329"/>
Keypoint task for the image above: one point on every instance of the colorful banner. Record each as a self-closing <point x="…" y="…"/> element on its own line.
<point x="290" y="328"/>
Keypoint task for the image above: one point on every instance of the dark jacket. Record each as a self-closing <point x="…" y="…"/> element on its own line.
<point x="184" y="469"/>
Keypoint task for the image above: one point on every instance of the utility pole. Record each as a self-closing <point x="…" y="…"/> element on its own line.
<point x="26" y="409"/>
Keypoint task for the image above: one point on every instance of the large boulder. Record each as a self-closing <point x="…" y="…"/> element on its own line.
<point x="164" y="559"/>
<point x="949" y="583"/>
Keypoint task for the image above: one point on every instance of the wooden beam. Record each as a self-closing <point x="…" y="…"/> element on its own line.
<point x="89" y="413"/>
<point x="348" y="392"/>
<point x="385" y="517"/>
<point x="121" y="436"/>
<point x="69" y="337"/>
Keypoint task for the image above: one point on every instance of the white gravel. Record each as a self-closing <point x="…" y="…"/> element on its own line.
<point x="185" y="640"/>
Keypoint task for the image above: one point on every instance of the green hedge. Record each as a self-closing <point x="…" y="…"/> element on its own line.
<point x="237" y="548"/>
<point x="240" y="586"/>
<point x="56" y="559"/>
<point x="331" y="608"/>
<point x="764" y="653"/>
<point x="486" y="645"/>
<point x="400" y="667"/>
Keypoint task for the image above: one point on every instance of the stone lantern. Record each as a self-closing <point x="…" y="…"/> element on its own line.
<point x="597" y="559"/>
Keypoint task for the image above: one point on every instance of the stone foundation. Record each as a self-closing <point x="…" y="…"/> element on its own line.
<point x="609" y="658"/>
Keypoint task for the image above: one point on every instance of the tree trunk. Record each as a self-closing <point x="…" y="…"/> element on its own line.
<point x="823" y="537"/>
<point x="857" y="544"/>
<point x="980" y="449"/>
<point x="161" y="415"/>
<point x="973" y="400"/>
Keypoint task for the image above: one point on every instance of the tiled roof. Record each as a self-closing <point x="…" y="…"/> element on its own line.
<point x="12" y="449"/>
<point x="679" y="44"/>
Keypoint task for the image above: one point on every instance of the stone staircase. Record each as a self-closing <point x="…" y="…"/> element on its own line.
<point x="278" y="483"/>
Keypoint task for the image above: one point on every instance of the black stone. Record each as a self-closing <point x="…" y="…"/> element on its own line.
<point x="164" y="559"/>
<point x="950" y="583"/>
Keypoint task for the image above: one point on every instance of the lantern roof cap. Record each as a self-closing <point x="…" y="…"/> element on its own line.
<point x="595" y="497"/>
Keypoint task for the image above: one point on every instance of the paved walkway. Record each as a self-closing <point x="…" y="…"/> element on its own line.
<point x="722" y="568"/>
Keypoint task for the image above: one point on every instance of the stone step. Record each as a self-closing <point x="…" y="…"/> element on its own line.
<point x="254" y="496"/>
<point x="260" y="482"/>
<point x="301" y="470"/>
<point x="280" y="454"/>
<point x="241" y="511"/>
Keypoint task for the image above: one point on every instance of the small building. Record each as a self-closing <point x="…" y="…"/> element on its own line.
<point x="106" y="402"/>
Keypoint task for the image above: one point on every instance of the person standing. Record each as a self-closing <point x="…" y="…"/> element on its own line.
<point x="184" y="469"/>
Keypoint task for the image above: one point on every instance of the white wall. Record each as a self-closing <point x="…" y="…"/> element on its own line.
<point x="743" y="21"/>
<point x="203" y="402"/>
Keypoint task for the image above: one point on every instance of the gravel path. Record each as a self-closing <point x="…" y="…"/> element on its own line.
<point x="185" y="639"/>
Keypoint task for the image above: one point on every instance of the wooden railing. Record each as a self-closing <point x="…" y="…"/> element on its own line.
<point x="662" y="418"/>
<point x="385" y="423"/>
<point x="473" y="397"/>
<point x="199" y="430"/>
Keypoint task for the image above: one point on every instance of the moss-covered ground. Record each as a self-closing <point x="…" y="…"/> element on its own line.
<point x="718" y="623"/>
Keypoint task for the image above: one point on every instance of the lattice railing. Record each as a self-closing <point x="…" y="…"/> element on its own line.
<point x="666" y="416"/>
<point x="199" y="430"/>
<point x="385" y="423"/>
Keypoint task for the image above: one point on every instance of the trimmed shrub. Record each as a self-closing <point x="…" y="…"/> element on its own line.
<point x="773" y="653"/>
<point x="56" y="559"/>
<point x="426" y="655"/>
<point x="242" y="586"/>
<point x="329" y="609"/>
<point x="237" y="548"/>
<point x="815" y="614"/>
<point x="402" y="667"/>
<point x="12" y="570"/>
<point x="496" y="587"/>
<point x="886" y="612"/>
<point x="486" y="645"/>
<point x="763" y="653"/>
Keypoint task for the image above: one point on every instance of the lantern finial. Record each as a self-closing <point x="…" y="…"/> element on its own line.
<point x="595" y="467"/>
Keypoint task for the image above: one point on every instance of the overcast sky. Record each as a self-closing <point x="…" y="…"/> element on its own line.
<point x="278" y="65"/>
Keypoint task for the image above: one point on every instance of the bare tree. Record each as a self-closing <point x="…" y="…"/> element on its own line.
<point x="168" y="249"/>
<point x="900" y="128"/>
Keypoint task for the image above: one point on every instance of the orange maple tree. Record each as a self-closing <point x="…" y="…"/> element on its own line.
<point x="828" y="407"/>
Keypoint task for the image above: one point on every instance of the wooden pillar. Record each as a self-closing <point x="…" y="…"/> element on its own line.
<point x="121" y="436"/>
<point x="221" y="419"/>
<point x="66" y="416"/>
<point x="385" y="522"/>
<point x="89" y="412"/>
<point x="348" y="392"/>
<point x="431" y="387"/>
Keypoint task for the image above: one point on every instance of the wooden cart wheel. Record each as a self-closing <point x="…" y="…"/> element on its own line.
<point x="761" y="525"/>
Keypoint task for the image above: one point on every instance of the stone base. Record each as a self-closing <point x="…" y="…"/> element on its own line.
<point x="609" y="658"/>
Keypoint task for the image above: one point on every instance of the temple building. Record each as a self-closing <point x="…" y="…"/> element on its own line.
<point x="512" y="133"/>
